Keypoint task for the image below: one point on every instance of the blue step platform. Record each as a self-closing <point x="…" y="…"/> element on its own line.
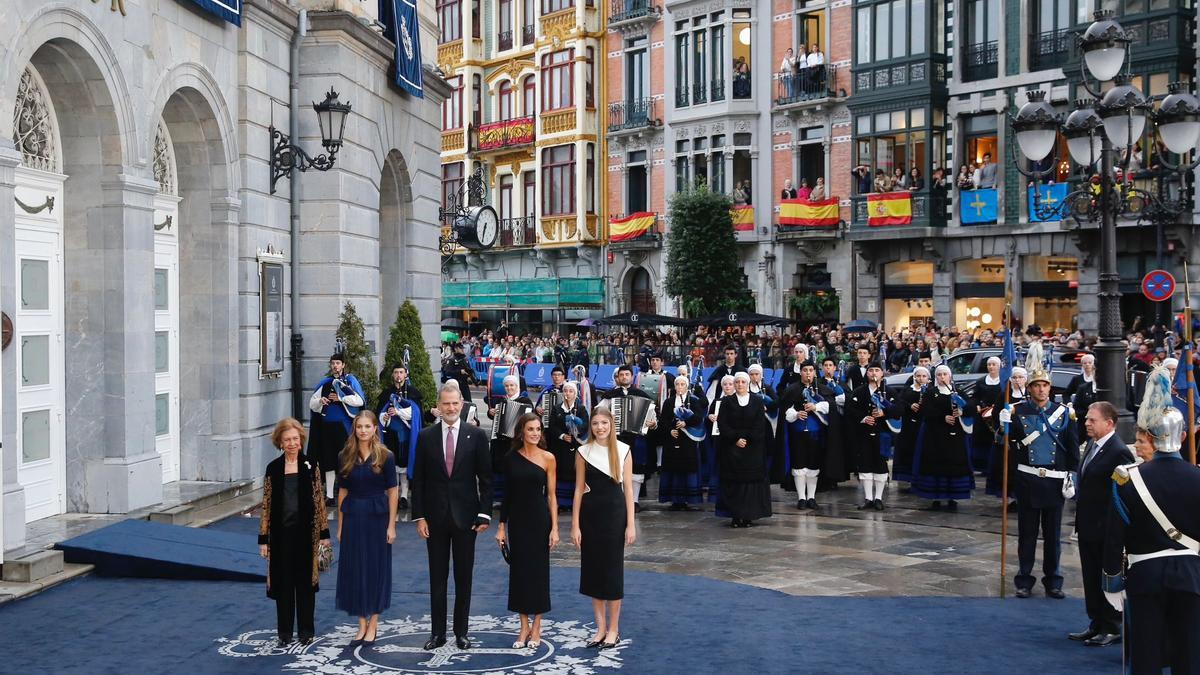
<point x="140" y="548"/>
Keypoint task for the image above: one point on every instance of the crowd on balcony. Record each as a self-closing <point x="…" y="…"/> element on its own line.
<point x="816" y="193"/>
<point x="802" y="74"/>
<point x="899" y="181"/>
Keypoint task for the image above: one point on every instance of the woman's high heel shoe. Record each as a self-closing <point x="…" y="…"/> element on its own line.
<point x="592" y="644"/>
<point x="371" y="642"/>
<point x="610" y="645"/>
<point x="534" y="644"/>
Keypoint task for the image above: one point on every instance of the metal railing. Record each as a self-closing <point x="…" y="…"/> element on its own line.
<point x="504" y="40"/>
<point x="700" y="92"/>
<point x="981" y="61"/>
<point x="625" y="10"/>
<point x="682" y="95"/>
<point x="742" y="85"/>
<point x="509" y="133"/>
<point x="1051" y="49"/>
<point x="810" y="84"/>
<point x="928" y="209"/>
<point x="717" y="89"/>
<point x="527" y="35"/>
<point x="521" y="231"/>
<point x="632" y="114"/>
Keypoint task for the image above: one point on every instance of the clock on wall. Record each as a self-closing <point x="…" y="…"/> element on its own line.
<point x="478" y="228"/>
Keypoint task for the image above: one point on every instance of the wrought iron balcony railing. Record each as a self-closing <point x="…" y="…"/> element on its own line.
<point x="504" y="40"/>
<point x="981" y="61"/>
<point x="509" y="133"/>
<point x="621" y="11"/>
<point x="1051" y="49"/>
<point x="520" y="231"/>
<point x="634" y="113"/>
<point x="810" y="84"/>
<point x="527" y="35"/>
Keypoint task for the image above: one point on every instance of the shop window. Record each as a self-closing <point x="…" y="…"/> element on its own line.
<point x="907" y="273"/>
<point x="743" y="32"/>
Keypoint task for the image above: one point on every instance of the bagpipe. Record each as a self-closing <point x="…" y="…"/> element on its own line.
<point x="811" y="395"/>
<point x="957" y="405"/>
<point x="579" y="374"/>
<point x="406" y="432"/>
<point x="343" y="388"/>
<point x="577" y="428"/>
<point x="693" y="423"/>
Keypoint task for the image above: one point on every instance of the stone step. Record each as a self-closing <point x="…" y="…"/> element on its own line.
<point x="33" y="567"/>
<point x="176" y="515"/>
<point x="231" y="491"/>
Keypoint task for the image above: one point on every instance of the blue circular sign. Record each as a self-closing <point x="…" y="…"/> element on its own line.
<point x="1158" y="285"/>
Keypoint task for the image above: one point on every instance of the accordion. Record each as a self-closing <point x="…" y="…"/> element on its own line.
<point x="653" y="385"/>
<point x="504" y="424"/>
<point x="550" y="402"/>
<point x="631" y="414"/>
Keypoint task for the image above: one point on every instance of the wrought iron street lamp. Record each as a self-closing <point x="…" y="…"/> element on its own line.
<point x="1111" y="123"/>
<point x="331" y="117"/>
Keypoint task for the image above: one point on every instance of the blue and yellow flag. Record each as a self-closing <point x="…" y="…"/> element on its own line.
<point x="399" y="19"/>
<point x="1049" y="196"/>
<point x="976" y="207"/>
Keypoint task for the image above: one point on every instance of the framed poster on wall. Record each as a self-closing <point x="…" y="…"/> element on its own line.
<point x="271" y="329"/>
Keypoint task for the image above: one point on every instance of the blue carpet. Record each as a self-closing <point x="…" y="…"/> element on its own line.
<point x="140" y="548"/>
<point x="671" y="624"/>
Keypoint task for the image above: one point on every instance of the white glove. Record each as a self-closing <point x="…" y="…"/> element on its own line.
<point x="840" y="399"/>
<point x="1005" y="416"/>
<point x="405" y="414"/>
<point x="790" y="415"/>
<point x="822" y="407"/>
<point x="1116" y="600"/>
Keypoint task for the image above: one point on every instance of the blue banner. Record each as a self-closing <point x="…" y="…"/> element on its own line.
<point x="1050" y="197"/>
<point x="230" y="10"/>
<point x="976" y="207"/>
<point x="399" y="19"/>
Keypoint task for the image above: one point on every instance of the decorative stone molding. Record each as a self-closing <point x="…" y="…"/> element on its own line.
<point x="164" y="161"/>
<point x="559" y="122"/>
<point x="34" y="132"/>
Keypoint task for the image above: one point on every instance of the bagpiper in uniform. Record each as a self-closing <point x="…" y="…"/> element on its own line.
<point x="806" y="406"/>
<point x="867" y="412"/>
<point x="1154" y="525"/>
<point x="1043" y="451"/>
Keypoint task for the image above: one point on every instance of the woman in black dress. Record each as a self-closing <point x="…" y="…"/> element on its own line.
<point x="1016" y="394"/>
<point x="908" y="405"/>
<point x="989" y="399"/>
<point x="942" y="464"/>
<point x="502" y="444"/>
<point x="602" y="523"/>
<point x="529" y="525"/>
<point x="293" y="525"/>
<point x="568" y="428"/>
<point x="742" y="453"/>
<point x="710" y="477"/>
<point x="679" y="476"/>
<point x="367" y="498"/>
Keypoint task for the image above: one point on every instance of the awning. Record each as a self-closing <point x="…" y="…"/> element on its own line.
<point x="229" y="10"/>
<point x="523" y="293"/>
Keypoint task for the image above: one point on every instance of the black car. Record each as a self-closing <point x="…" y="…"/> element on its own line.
<point x="969" y="364"/>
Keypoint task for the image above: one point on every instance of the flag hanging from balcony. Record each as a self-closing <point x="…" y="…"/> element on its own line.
<point x="743" y="218"/>
<point x="889" y="208"/>
<point x="630" y="227"/>
<point x="399" y="19"/>
<point x="976" y="207"/>
<point x="1049" y="199"/>
<point x="801" y="212"/>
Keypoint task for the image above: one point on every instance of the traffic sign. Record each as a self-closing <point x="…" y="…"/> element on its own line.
<point x="1158" y="285"/>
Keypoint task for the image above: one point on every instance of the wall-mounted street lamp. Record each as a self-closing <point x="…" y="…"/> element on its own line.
<point x="331" y="116"/>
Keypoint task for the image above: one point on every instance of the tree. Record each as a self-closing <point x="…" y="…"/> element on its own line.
<point x="352" y="337"/>
<point x="406" y="331"/>
<point x="702" y="259"/>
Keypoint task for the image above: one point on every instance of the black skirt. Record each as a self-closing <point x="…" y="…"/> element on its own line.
<point x="602" y="517"/>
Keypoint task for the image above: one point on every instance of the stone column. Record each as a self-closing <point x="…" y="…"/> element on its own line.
<point x="12" y="503"/>
<point x="943" y="293"/>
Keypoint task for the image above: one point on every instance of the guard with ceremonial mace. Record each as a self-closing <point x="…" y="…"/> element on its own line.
<point x="1152" y="543"/>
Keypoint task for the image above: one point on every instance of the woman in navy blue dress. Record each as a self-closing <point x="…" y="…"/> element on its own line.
<point x="367" y="495"/>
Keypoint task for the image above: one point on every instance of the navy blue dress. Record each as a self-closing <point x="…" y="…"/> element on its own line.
<point x="364" y="584"/>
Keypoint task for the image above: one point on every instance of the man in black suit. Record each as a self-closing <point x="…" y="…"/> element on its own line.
<point x="1102" y="454"/>
<point x="856" y="375"/>
<point x="451" y="503"/>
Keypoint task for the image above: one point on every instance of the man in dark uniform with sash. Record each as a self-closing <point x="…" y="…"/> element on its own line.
<point x="399" y="411"/>
<point x="1043" y="450"/>
<point x="334" y="403"/>
<point x="867" y="410"/>
<point x="806" y="407"/>
<point x="638" y="445"/>
<point x="1154" y="524"/>
<point x="730" y="366"/>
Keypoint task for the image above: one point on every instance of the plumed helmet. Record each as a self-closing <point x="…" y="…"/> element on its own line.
<point x="1157" y="415"/>
<point x="1039" y="375"/>
<point x="1033" y="357"/>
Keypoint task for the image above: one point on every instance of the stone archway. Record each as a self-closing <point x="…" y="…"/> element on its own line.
<point x="640" y="287"/>
<point x="395" y="217"/>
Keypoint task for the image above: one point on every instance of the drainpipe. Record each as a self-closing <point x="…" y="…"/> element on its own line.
<point x="298" y="406"/>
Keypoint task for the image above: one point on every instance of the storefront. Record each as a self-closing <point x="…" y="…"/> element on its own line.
<point x="907" y="294"/>
<point x="537" y="306"/>
<point x="1049" y="291"/>
<point x="979" y="293"/>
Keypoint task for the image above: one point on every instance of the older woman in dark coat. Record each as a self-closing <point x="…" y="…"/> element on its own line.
<point x="292" y="527"/>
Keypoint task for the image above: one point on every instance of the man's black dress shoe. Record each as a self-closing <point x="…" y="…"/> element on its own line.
<point x="812" y="503"/>
<point x="284" y="642"/>
<point x="462" y="642"/>
<point x="1055" y="593"/>
<point x="306" y="640"/>
<point x="1102" y="640"/>
<point x="866" y="505"/>
<point x="1083" y="635"/>
<point x="434" y="642"/>
<point x="801" y="505"/>
<point x="1022" y="592"/>
<point x="878" y="504"/>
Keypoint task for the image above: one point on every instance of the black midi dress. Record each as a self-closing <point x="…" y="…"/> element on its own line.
<point x="744" y="488"/>
<point x="526" y="515"/>
<point x="602" y="517"/>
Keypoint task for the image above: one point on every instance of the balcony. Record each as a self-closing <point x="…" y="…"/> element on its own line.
<point x="558" y="122"/>
<point x="527" y="36"/>
<point x="1051" y="50"/>
<point x="633" y="115"/>
<point x="450" y="54"/>
<point x="504" y="41"/>
<point x="518" y="232"/>
<point x="717" y="89"/>
<point x="805" y="220"/>
<point x="682" y="96"/>
<point x="452" y="141"/>
<point x="812" y="86"/>
<point x="503" y="135"/>
<point x="700" y="93"/>
<point x="636" y="231"/>
<point x="632" y="14"/>
<point x="874" y="221"/>
<point x="981" y="61"/>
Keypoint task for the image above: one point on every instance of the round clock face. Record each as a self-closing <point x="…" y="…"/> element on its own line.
<point x="487" y="226"/>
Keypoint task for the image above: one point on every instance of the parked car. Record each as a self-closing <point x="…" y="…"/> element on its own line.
<point x="969" y="364"/>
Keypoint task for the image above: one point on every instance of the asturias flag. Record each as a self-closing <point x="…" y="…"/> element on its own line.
<point x="630" y="227"/>
<point x="889" y="208"/>
<point x="802" y="212"/>
<point x="978" y="206"/>
<point x="743" y="218"/>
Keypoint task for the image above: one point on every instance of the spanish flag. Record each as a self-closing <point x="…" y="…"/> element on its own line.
<point x="801" y="212"/>
<point x="889" y="208"/>
<point x="743" y="218"/>
<point x="630" y="227"/>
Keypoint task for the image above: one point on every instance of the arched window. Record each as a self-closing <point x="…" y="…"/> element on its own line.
<point x="505" y="101"/>
<point x="528" y="97"/>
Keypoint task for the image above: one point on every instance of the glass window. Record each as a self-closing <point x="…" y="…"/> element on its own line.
<point x="700" y="62"/>
<point x="162" y="293"/>
<point x="907" y="273"/>
<point x="558" y="86"/>
<point x="35" y="284"/>
<point x="899" y="27"/>
<point x="743" y="44"/>
<point x="162" y="352"/>
<point x="589" y="79"/>
<point x="916" y="117"/>
<point x="449" y="20"/>
<point x="549" y="6"/>
<point x="898" y="120"/>
<point x="529" y="182"/>
<point x="452" y="182"/>
<point x="883" y="121"/>
<point x="476" y="19"/>
<point x="980" y="271"/>
<point x="504" y="98"/>
<point x="864" y="35"/>
<point x="916" y="36"/>
<point x="883" y="18"/>
<point x="35" y="436"/>
<point x="717" y="165"/>
<point x="452" y="106"/>
<point x="636" y="75"/>
<point x="476" y="99"/>
<point x="718" y="62"/>
<point x="862" y="125"/>
<point x="681" y="173"/>
<point x="558" y="180"/>
<point x="35" y="360"/>
<point x="590" y="177"/>
<point x="504" y="23"/>
<point x="162" y="414"/>
<point x="528" y="97"/>
<point x="681" y="70"/>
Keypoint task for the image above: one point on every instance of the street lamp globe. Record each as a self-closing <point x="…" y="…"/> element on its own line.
<point x="1104" y="44"/>
<point x="1178" y="119"/>
<point x="1036" y="127"/>
<point x="1123" y="110"/>
<point x="1082" y="132"/>
<point x="331" y="116"/>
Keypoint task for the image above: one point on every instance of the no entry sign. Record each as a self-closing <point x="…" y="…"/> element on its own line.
<point x="1158" y="285"/>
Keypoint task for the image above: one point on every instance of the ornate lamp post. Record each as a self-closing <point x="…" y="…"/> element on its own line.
<point x="331" y="116"/>
<point x="1105" y="133"/>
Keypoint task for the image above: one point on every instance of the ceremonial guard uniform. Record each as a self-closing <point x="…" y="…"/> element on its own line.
<point x="1154" y="525"/>
<point x="1043" y="451"/>
<point x="399" y="411"/>
<point x="870" y="401"/>
<point x="806" y="406"/>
